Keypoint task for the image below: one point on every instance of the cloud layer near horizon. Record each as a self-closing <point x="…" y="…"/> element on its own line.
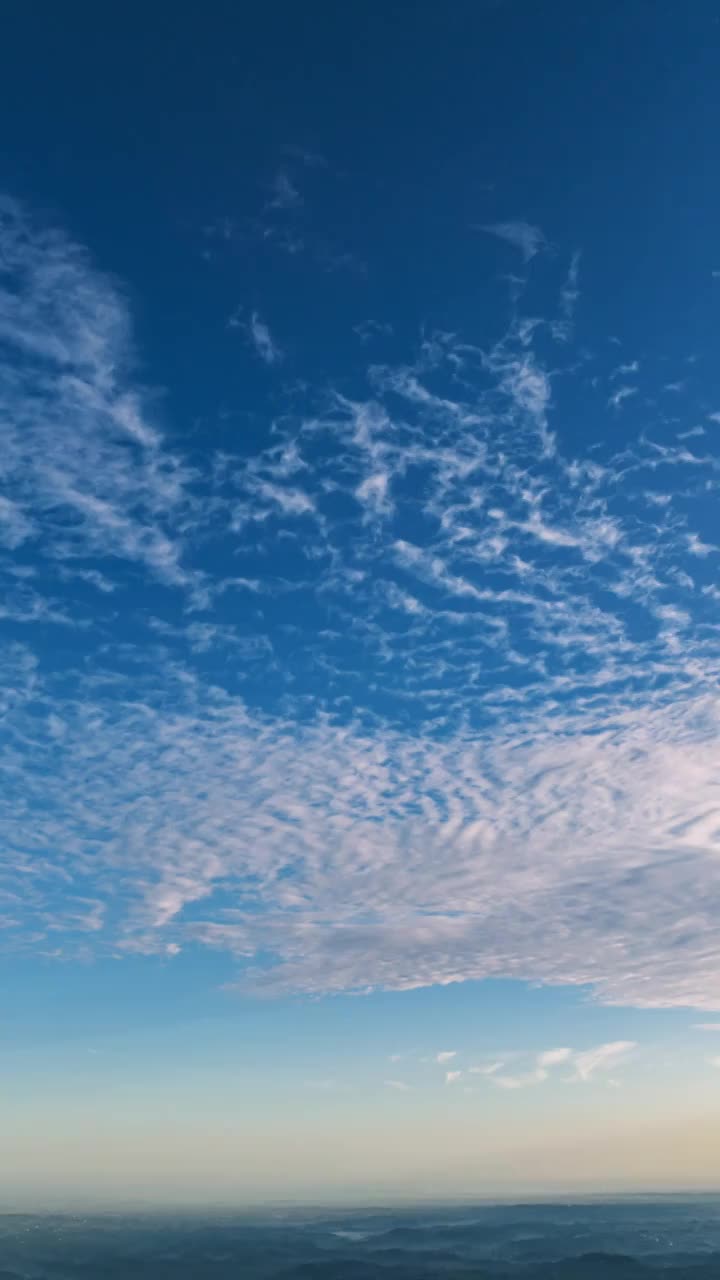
<point x="415" y="691"/>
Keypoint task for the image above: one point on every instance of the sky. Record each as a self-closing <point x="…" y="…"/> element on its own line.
<point x="359" y="545"/>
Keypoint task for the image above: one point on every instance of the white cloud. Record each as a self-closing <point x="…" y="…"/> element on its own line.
<point x="605" y="1057"/>
<point x="290" y="501"/>
<point x="285" y="193"/>
<point x="562" y="328"/>
<point x="521" y="235"/>
<point x="697" y="547"/>
<point x="544" y="833"/>
<point x="398" y="1085"/>
<point x="622" y="370"/>
<point x="373" y="492"/>
<point x="393" y="754"/>
<point x="706" y="1026"/>
<point x="552" y="1057"/>
<point x="451" y="1077"/>
<point x="585" y="1065"/>
<point x="15" y="526"/>
<point x="524" y="1081"/>
<point x="446" y="1055"/>
<point x="257" y="333"/>
<point x="263" y="341"/>
<point x="367" y="330"/>
<point x="618" y="397"/>
<point x="90" y="476"/>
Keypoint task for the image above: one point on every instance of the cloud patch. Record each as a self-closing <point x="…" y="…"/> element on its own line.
<point x="525" y="237"/>
<point x="365" y="698"/>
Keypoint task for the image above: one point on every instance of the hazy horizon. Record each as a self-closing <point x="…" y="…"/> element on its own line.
<point x="359" y="1204"/>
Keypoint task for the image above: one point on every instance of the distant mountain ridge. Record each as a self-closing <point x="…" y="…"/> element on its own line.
<point x="668" y="1240"/>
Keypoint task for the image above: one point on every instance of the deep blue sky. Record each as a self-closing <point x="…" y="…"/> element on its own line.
<point x="595" y="120"/>
<point x="360" y="409"/>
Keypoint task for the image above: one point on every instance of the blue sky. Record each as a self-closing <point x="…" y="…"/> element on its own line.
<point x="361" y="450"/>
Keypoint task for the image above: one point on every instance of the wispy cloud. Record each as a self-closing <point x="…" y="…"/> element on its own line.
<point x="446" y="1055"/>
<point x="552" y="1057"/>
<point x="697" y="547"/>
<point x="305" y="155"/>
<point x="585" y="1065"/>
<point x="523" y="1081"/>
<point x="258" y="334"/>
<point x="374" y="494"/>
<point x="562" y="327"/>
<point x="521" y="235"/>
<point x="603" y="1058"/>
<point x="367" y="330"/>
<point x="285" y="194"/>
<point x="263" y="341"/>
<point x="620" y="396"/>
<point x="622" y="370"/>
<point x="90" y="474"/>
<point x="465" y="682"/>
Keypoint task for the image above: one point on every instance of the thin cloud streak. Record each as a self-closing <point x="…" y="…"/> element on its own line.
<point x="521" y="235"/>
